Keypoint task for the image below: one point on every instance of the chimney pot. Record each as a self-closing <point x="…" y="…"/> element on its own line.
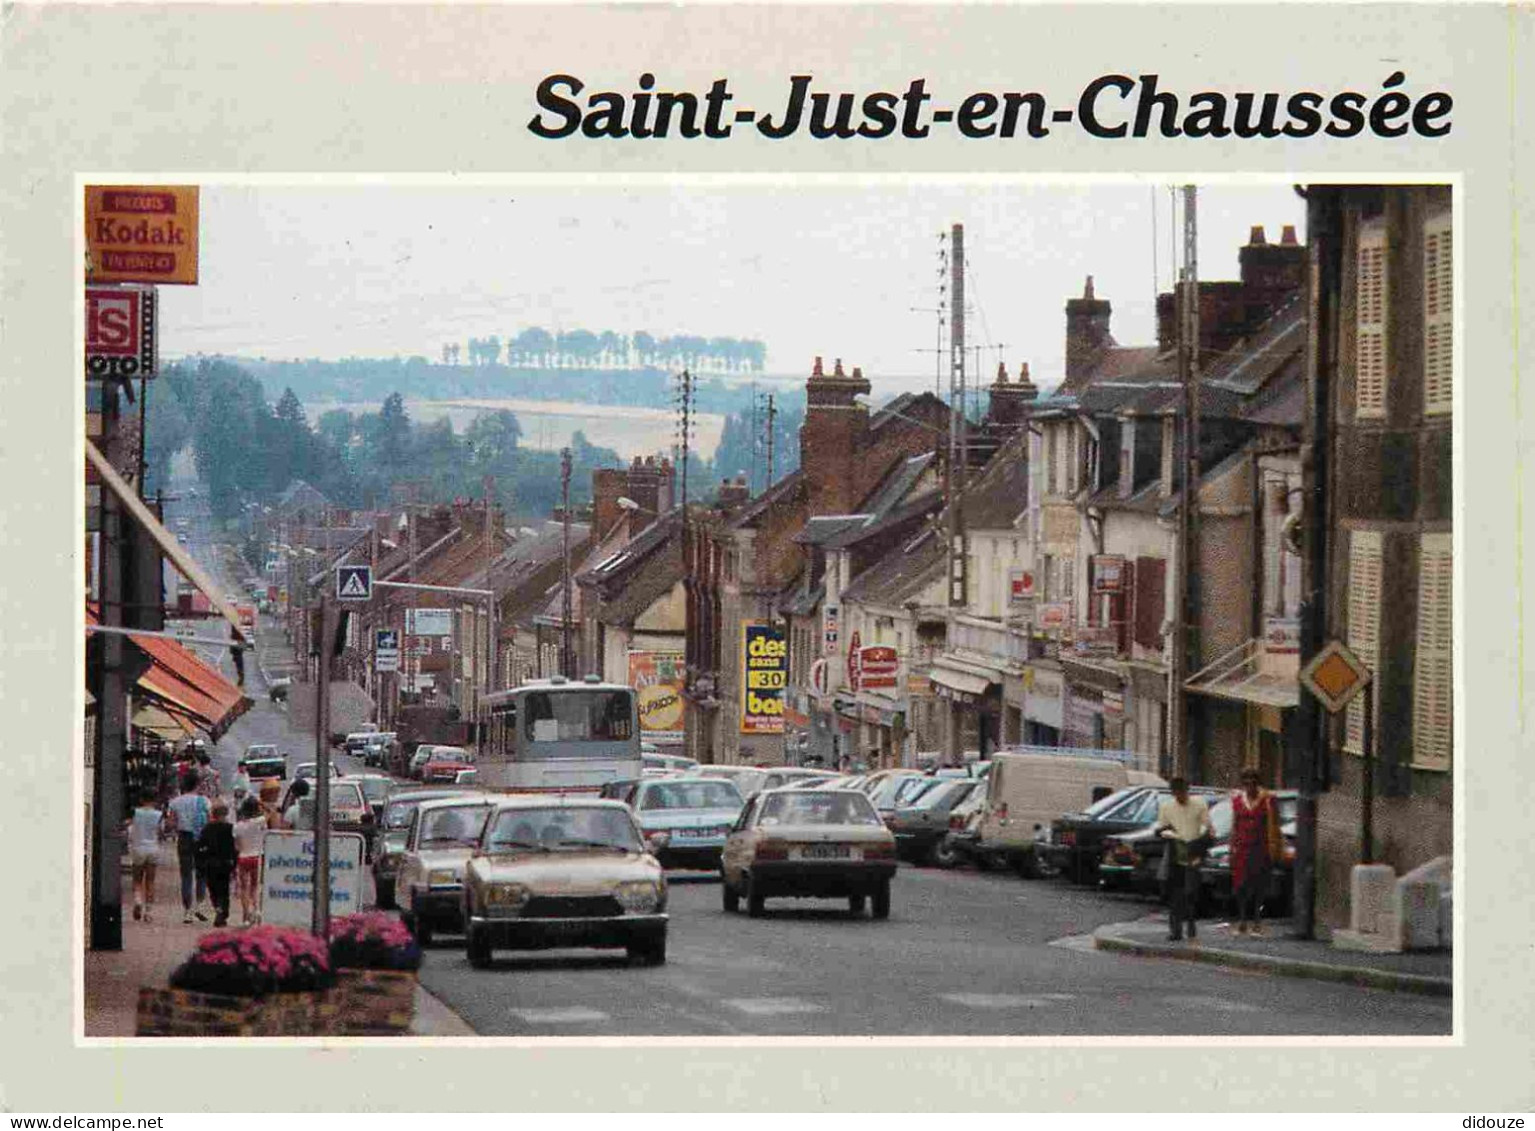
<point x="816" y="372"/>
<point x="1087" y="291"/>
<point x="1001" y="372"/>
<point x="1287" y="237"/>
<point x="1257" y="238"/>
<point x="837" y="369"/>
<point x="857" y="373"/>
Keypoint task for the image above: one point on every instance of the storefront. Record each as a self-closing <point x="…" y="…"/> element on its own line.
<point x="1044" y="693"/>
<point x="1094" y="706"/>
<point x="973" y="695"/>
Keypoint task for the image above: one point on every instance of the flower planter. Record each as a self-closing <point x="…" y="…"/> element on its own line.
<point x="189" y="1013"/>
<point x="371" y="1003"/>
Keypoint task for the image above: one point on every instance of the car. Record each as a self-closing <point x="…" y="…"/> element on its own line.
<point x="1132" y="861"/>
<point x="919" y="825"/>
<point x="691" y="815"/>
<point x="349" y="809"/>
<point x="791" y="775"/>
<point x="961" y="843"/>
<point x="429" y="885"/>
<point x="376" y="789"/>
<point x="264" y="767"/>
<point x="375" y="753"/>
<point x="1074" y="844"/>
<point x="560" y="872"/>
<point x="393" y="833"/>
<point x="892" y="788"/>
<point x="277" y="690"/>
<point x="748" y="779"/>
<point x="357" y="742"/>
<point x="445" y="763"/>
<point x="816" y="843"/>
<point x="654" y="761"/>
<point x="308" y="771"/>
<point x="418" y="760"/>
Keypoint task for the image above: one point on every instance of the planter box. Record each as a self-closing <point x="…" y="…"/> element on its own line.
<point x="188" y="1013"/>
<point x="371" y="1003"/>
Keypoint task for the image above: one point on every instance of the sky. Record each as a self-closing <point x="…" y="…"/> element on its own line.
<point x="844" y="270"/>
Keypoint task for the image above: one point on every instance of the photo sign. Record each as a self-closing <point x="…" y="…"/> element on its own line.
<point x="657" y="680"/>
<point x="765" y="660"/>
<point x="287" y="883"/>
<point x="120" y="332"/>
<point x="141" y="234"/>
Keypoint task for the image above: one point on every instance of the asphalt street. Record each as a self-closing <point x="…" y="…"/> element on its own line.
<point x="963" y="954"/>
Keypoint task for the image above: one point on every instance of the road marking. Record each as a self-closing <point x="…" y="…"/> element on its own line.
<point x="765" y="1006"/>
<point x="571" y="1015"/>
<point x="1223" y="1005"/>
<point x="1006" y="1001"/>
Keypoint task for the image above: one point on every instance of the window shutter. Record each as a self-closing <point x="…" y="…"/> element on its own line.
<point x="1150" y="600"/>
<point x="1092" y="595"/>
<point x="1438" y="323"/>
<point x="1433" y="674"/>
<point x="1121" y="605"/>
<point x="1364" y="577"/>
<point x="1370" y="315"/>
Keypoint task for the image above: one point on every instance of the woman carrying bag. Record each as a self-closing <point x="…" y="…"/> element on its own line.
<point x="1256" y="845"/>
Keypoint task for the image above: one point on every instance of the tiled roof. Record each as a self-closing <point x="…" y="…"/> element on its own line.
<point x="902" y="573"/>
<point x="995" y="501"/>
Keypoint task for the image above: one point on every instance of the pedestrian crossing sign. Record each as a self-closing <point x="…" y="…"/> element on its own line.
<point x="354" y="583"/>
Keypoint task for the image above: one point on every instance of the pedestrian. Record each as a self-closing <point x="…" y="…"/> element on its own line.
<point x="249" y="834"/>
<point x="217" y="853"/>
<point x="299" y="815"/>
<point x="1184" y="822"/>
<point x="271" y="792"/>
<point x="144" y="827"/>
<point x="189" y="812"/>
<point x="207" y="776"/>
<point x="1255" y="847"/>
<point x="241" y="788"/>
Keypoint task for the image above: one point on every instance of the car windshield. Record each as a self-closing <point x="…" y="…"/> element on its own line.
<point x="397" y="816"/>
<point x="564" y="828"/>
<point x="944" y="791"/>
<point x="691" y="795"/>
<point x="455" y="825"/>
<point x="816" y="807"/>
<point x="1102" y="806"/>
<point x="579" y="715"/>
<point x="448" y="754"/>
<point x="345" y="795"/>
<point x="376" y="789"/>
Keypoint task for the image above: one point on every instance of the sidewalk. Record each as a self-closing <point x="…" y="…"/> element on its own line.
<point x="1274" y="952"/>
<point x="152" y="950"/>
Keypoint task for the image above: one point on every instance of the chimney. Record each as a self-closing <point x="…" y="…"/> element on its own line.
<point x="664" y="490"/>
<point x="733" y="493"/>
<point x="1087" y="332"/>
<point x="1008" y="406"/>
<point x="645" y="486"/>
<point x="609" y="484"/>
<point x="1272" y="272"/>
<point x="1255" y="237"/>
<point x="832" y="437"/>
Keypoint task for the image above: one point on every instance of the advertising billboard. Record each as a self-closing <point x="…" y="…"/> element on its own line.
<point x="141" y="234"/>
<point x="765" y="672"/>
<point x="119" y="332"/>
<point x="657" y="681"/>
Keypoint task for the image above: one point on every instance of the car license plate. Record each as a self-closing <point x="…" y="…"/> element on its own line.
<point x="692" y="834"/>
<point x="827" y="852"/>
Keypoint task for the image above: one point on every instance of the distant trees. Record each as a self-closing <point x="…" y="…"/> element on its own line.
<point x="536" y="347"/>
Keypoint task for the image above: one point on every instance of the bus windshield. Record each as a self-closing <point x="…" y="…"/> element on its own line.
<point x="578" y="716"/>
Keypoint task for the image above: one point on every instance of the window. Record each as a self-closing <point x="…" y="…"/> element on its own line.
<point x="1050" y="435"/>
<point x="1364" y="579"/>
<point x="1438" y="323"/>
<point x="1150" y="601"/>
<point x="1370" y="314"/>
<point x="1433" y="672"/>
<point x="1073" y="460"/>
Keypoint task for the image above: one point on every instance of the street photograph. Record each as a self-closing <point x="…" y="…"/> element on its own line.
<point x="761" y="608"/>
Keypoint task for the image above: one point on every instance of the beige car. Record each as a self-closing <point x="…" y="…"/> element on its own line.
<point x="429" y="885"/>
<point x="567" y="871"/>
<point x="822" y="843"/>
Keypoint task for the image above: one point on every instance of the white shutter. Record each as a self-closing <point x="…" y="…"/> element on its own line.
<point x="1370" y="311"/>
<point x="1364" y="570"/>
<point x="1438" y="319"/>
<point x="1434" y="663"/>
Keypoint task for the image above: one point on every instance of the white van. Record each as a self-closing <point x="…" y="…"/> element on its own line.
<point x="1025" y="792"/>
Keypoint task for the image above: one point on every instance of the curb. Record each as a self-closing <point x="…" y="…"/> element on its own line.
<point x="434" y="1018"/>
<point x="1282" y="967"/>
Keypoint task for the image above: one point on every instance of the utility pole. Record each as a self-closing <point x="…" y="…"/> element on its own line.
<point x="108" y="685"/>
<point x="685" y="428"/>
<point x="567" y="661"/>
<point x="320" y="919"/>
<point x="955" y="480"/>
<point x="1185" y="657"/>
<point x="490" y="610"/>
<point x="751" y="477"/>
<point x="772" y="416"/>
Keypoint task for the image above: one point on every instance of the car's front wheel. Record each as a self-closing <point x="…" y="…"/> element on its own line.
<point x="855" y="903"/>
<point x="730" y="899"/>
<point x="383" y="894"/>
<point x="944" y="854"/>
<point x="477" y="948"/>
<point x="882" y="900"/>
<point x="651" y="952"/>
<point x="754" y="897"/>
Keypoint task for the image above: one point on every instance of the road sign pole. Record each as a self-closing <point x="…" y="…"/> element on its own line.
<point x="321" y="916"/>
<point x="1367" y="783"/>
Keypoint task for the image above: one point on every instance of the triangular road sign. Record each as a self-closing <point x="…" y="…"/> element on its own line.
<point x="354" y="583"/>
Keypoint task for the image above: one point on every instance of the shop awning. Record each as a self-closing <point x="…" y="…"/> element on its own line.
<point x="959" y="682"/>
<point x="1247" y="674"/>
<point x="185" y="686"/>
<point x="166" y="723"/>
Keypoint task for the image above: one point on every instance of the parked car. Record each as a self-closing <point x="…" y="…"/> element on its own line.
<point x="357" y="742"/>
<point x="686" y="820"/>
<point x="277" y="690"/>
<point x="817" y="843"/>
<point x="418" y="760"/>
<point x="429" y="883"/>
<point x="961" y="844"/>
<point x="1025" y="792"/>
<point x="1133" y="861"/>
<point x="394" y="832"/>
<point x="563" y="872"/>
<point x="920" y="825"/>
<point x="1215" y="872"/>
<point x="1075" y="842"/>
<point x="445" y="763"/>
<point x="375" y="753"/>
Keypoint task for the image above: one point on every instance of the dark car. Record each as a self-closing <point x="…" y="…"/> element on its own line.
<point x="919" y="825"/>
<point x="264" y="763"/>
<point x="1076" y="839"/>
<point x="1133" y="861"/>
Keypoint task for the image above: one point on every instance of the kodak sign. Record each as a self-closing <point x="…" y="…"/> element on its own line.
<point x="141" y="234"/>
<point x="765" y="660"/>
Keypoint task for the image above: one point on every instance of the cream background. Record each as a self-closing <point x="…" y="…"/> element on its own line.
<point x="183" y="92"/>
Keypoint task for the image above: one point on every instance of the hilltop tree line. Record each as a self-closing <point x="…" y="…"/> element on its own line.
<point x="537" y="348"/>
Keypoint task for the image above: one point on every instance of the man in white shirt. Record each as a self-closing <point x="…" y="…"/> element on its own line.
<point x="300" y="814"/>
<point x="1183" y="820"/>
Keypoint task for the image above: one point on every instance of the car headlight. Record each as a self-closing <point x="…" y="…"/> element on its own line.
<point x="441" y="877"/>
<point x="505" y="897"/>
<point x="638" y="896"/>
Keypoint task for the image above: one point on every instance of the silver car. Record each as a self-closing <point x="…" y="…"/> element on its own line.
<point x="429" y="886"/>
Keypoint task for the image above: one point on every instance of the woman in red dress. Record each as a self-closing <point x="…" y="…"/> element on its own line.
<point x="1252" y="831"/>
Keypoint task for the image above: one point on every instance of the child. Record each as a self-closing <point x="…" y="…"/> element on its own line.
<point x="144" y="851"/>
<point x="249" y="833"/>
<point x="216" y="851"/>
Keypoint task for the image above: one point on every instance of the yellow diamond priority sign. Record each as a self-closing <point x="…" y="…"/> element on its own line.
<point x="1335" y="675"/>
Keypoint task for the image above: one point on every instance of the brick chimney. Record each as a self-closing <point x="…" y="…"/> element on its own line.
<point x="1008" y="405"/>
<point x="733" y="493"/>
<point x="666" y="487"/>
<point x="1270" y="272"/>
<point x="1087" y="331"/>
<point x="645" y="486"/>
<point x="609" y="484"/>
<point x="833" y="437"/>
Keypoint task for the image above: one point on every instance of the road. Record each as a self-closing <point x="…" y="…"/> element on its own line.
<point x="963" y="954"/>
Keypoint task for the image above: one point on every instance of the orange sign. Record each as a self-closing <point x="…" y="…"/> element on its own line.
<point x="657" y="680"/>
<point x="1335" y="676"/>
<point x="141" y="234"/>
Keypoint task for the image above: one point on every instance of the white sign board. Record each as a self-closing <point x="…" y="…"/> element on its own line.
<point x="287" y="879"/>
<point x="386" y="650"/>
<point x="429" y="622"/>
